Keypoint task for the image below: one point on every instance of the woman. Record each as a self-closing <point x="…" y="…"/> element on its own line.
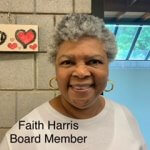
<point x="79" y="118"/>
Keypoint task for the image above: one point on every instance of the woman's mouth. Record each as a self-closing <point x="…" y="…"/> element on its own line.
<point x="81" y="87"/>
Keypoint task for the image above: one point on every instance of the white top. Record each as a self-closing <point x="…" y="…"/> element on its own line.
<point x="45" y="128"/>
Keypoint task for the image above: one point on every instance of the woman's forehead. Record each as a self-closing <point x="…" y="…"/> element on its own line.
<point x="86" y="43"/>
<point x="83" y="49"/>
<point x="81" y="40"/>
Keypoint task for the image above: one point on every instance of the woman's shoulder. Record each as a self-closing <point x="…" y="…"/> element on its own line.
<point x="122" y="110"/>
<point x="119" y="107"/>
<point x="125" y="118"/>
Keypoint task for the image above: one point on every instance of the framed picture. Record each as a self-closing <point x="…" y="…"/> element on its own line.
<point x="18" y="38"/>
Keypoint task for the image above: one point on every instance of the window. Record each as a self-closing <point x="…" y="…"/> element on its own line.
<point x="133" y="41"/>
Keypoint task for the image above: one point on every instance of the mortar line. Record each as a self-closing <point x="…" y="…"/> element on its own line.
<point x="73" y="5"/>
<point x="21" y="90"/>
<point x="54" y="19"/>
<point x="35" y="72"/>
<point x="34" y="6"/>
<point x="31" y="13"/>
<point x="5" y="127"/>
<point x="16" y="106"/>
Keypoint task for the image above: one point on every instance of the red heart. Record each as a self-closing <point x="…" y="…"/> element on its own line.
<point x="12" y="45"/>
<point x="34" y="46"/>
<point x="24" y="37"/>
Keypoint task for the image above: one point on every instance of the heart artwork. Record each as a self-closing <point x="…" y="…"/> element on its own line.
<point x="3" y="37"/>
<point x="25" y="37"/>
<point x="34" y="46"/>
<point x="12" y="45"/>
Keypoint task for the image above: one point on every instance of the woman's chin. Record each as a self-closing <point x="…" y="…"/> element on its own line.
<point x="82" y="102"/>
<point x="81" y="98"/>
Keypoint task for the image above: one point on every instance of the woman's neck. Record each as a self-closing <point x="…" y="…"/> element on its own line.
<point x="62" y="106"/>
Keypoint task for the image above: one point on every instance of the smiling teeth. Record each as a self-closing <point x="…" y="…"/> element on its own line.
<point x="81" y="87"/>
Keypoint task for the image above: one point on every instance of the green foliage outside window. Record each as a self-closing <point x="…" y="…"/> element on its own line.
<point x="125" y="36"/>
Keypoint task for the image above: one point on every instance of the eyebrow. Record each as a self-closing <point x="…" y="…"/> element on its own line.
<point x="65" y="56"/>
<point x="86" y="56"/>
<point x="99" y="56"/>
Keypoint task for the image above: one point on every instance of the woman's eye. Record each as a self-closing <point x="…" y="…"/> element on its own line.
<point x="95" y="62"/>
<point x="66" y="62"/>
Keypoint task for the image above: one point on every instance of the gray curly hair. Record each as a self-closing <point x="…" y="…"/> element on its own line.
<point x="74" y="26"/>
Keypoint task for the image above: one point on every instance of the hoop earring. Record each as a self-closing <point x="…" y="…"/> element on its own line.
<point x="111" y="88"/>
<point x="52" y="88"/>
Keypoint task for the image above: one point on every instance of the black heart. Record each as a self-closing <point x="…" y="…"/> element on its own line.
<point x="3" y="37"/>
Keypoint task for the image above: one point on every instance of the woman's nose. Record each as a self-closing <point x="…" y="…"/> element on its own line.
<point x="81" y="71"/>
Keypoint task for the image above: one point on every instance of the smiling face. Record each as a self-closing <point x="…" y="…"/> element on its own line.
<point x="81" y="71"/>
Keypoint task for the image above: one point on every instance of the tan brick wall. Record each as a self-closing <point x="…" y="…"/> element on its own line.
<point x="83" y="6"/>
<point x="54" y="6"/>
<point x="2" y="133"/>
<point x="24" y="78"/>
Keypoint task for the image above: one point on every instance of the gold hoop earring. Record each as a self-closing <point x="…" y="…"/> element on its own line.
<point x="111" y="88"/>
<point x="51" y="85"/>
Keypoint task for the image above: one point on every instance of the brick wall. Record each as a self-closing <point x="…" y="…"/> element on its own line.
<point x="24" y="78"/>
